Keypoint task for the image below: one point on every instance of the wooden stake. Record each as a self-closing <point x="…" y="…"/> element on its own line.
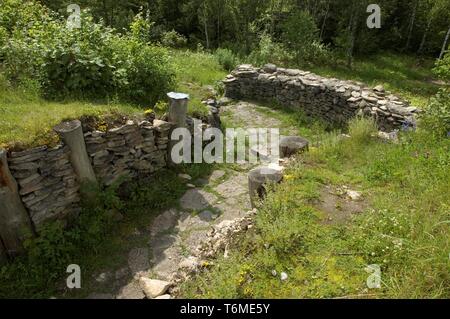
<point x="72" y="134"/>
<point x="15" y="224"/>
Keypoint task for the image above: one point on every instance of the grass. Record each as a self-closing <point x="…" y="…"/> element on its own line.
<point x="197" y="74"/>
<point x="402" y="74"/>
<point x="27" y="120"/>
<point x="404" y="230"/>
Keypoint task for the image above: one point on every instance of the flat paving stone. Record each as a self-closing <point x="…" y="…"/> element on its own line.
<point x="196" y="199"/>
<point x="235" y="186"/>
<point x="167" y="255"/>
<point x="189" y="221"/>
<point x="164" y="222"/>
<point x="216" y="175"/>
<point x="139" y="260"/>
<point x="131" y="291"/>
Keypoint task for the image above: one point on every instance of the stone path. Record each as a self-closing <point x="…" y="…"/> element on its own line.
<point x="173" y="239"/>
<point x="175" y="234"/>
<point x="249" y="115"/>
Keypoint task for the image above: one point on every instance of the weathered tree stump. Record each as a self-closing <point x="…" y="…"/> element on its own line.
<point x="15" y="224"/>
<point x="72" y="134"/>
<point x="259" y="177"/>
<point x="178" y="103"/>
<point x="291" y="145"/>
<point x="3" y="256"/>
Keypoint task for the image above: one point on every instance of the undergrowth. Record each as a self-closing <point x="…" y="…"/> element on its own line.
<point x="404" y="231"/>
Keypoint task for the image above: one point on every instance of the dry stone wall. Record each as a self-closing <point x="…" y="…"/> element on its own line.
<point x="48" y="185"/>
<point x="47" y="182"/>
<point x="129" y="150"/>
<point x="331" y="99"/>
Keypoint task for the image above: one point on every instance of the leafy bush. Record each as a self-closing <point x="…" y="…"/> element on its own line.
<point x="141" y="28"/>
<point x="362" y="129"/>
<point x="269" y="51"/>
<point x="436" y="116"/>
<point x="227" y="59"/>
<point x="173" y="39"/>
<point x="147" y="69"/>
<point x="300" y="34"/>
<point x="442" y="68"/>
<point x="92" y="61"/>
<point x="58" y="246"/>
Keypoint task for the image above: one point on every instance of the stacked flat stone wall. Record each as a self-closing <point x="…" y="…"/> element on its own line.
<point x="47" y="182"/>
<point x="48" y="185"/>
<point x="333" y="100"/>
<point x="128" y="151"/>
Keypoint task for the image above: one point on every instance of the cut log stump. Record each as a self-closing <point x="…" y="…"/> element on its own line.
<point x="258" y="178"/>
<point x="15" y="224"/>
<point x="178" y="104"/>
<point x="291" y="145"/>
<point x="72" y="134"/>
<point x="3" y="256"/>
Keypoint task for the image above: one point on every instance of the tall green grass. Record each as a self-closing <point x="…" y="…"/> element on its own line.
<point x="404" y="228"/>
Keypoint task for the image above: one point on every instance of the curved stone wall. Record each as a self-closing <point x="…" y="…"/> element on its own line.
<point x="48" y="185"/>
<point x="333" y="100"/>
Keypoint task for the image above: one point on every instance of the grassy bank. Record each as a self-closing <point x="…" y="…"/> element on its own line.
<point x="405" y="75"/>
<point x="305" y="229"/>
<point x="27" y="119"/>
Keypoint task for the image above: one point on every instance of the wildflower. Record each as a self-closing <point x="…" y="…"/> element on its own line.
<point x="288" y="177"/>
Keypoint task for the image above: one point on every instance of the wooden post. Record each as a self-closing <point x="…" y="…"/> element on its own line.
<point x="291" y="145"/>
<point x="15" y="224"/>
<point x="72" y="134"/>
<point x="178" y="108"/>
<point x="257" y="178"/>
<point x="3" y="256"/>
<point x="177" y="117"/>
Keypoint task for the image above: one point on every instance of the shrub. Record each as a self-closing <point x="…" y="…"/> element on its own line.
<point x="141" y="28"/>
<point x="92" y="61"/>
<point x="442" y="68"/>
<point x="227" y="59"/>
<point x="436" y="116"/>
<point x="300" y="34"/>
<point x="173" y="39"/>
<point x="148" y="72"/>
<point x="362" y="129"/>
<point x="269" y="51"/>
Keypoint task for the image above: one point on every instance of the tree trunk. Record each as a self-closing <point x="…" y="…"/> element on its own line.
<point x="15" y="224"/>
<point x="205" y="25"/>
<point x="72" y="134"/>
<point x="424" y="38"/>
<point x="324" y="20"/>
<point x="444" y="46"/>
<point x="411" y="24"/>
<point x="352" y="35"/>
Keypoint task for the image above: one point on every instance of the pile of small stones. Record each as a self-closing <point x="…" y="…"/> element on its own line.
<point x="128" y="150"/>
<point x="47" y="182"/>
<point x="331" y="99"/>
<point x="217" y="242"/>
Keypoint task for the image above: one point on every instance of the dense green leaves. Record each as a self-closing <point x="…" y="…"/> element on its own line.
<point x="90" y="62"/>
